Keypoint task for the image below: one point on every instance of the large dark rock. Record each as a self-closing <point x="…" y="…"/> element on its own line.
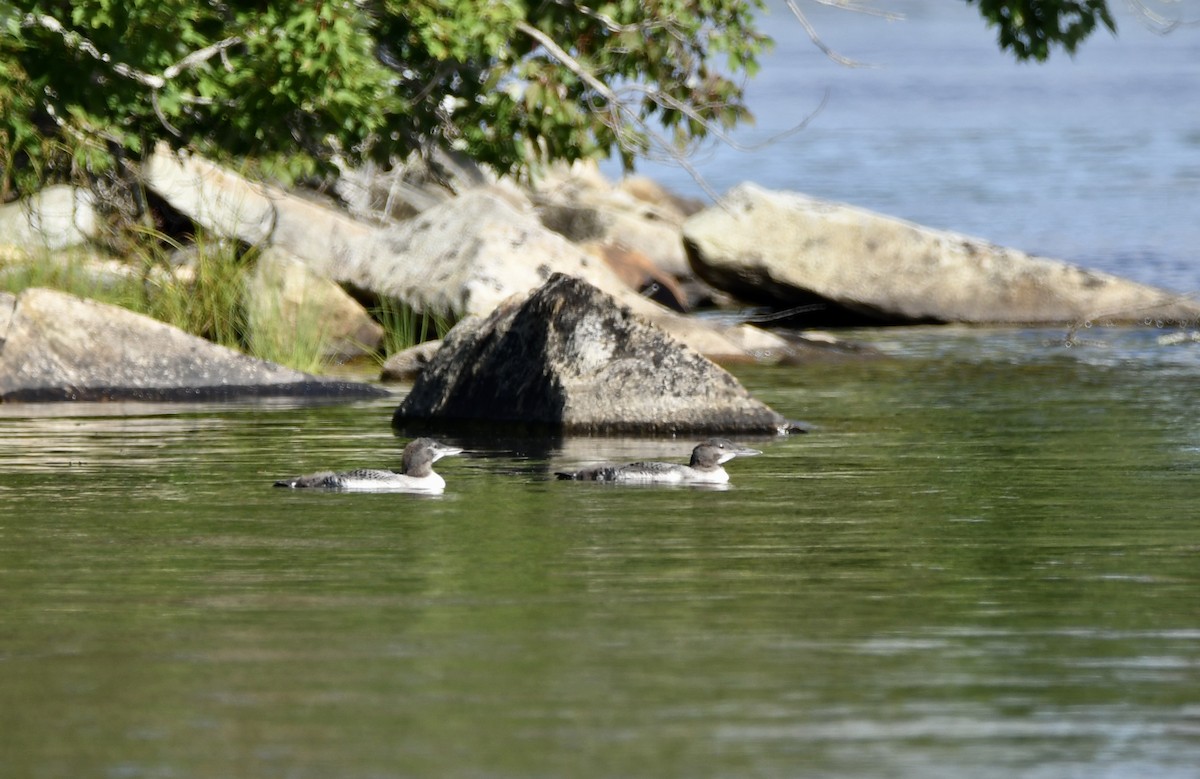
<point x="569" y="358"/>
<point x="55" y="346"/>
<point x="845" y="265"/>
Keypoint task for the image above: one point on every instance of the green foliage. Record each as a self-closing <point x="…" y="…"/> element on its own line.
<point x="1031" y="28"/>
<point x="89" y="85"/>
<point x="85" y="85"/>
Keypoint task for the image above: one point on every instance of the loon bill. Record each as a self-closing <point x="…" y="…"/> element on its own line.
<point x="704" y="468"/>
<point x="416" y="473"/>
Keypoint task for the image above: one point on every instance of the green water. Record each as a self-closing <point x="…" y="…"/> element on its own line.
<point x="984" y="562"/>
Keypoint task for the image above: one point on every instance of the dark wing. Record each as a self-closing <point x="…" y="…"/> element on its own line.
<point x="325" y="479"/>
<point x="619" y="472"/>
<point x="331" y="481"/>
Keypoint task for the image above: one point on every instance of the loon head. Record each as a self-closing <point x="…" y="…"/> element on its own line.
<point x="420" y="455"/>
<point x="715" y="451"/>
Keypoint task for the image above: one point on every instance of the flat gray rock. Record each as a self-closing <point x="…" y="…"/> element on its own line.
<point x="853" y="266"/>
<point x="60" y="347"/>
<point x="568" y="357"/>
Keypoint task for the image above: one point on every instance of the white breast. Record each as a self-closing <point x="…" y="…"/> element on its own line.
<point x="394" y="483"/>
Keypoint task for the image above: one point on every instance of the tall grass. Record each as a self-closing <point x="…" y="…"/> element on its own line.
<point x="72" y="272"/>
<point x="203" y="299"/>
<point x="291" y="335"/>
<point x="403" y="326"/>
<point x="207" y="298"/>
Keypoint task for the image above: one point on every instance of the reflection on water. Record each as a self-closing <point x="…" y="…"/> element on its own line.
<point x="980" y="563"/>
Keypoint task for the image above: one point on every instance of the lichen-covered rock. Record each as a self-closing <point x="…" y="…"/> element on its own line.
<point x="464" y="257"/>
<point x="846" y="265"/>
<point x="8" y="305"/>
<point x="61" y="347"/>
<point x="569" y="358"/>
<point x="582" y="204"/>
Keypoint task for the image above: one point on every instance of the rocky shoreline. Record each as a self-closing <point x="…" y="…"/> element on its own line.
<point x="475" y="249"/>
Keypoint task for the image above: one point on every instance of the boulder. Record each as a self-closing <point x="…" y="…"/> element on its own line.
<point x="286" y="301"/>
<point x="211" y="195"/>
<point x="466" y="256"/>
<point x="60" y="347"/>
<point x="637" y="272"/>
<point x="654" y="193"/>
<point x="582" y="205"/>
<point x="57" y="217"/>
<point x="8" y="305"/>
<point x="408" y="364"/>
<point x="569" y="358"/>
<point x="857" y="267"/>
<point x="458" y="258"/>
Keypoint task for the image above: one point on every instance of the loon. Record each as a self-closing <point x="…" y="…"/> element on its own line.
<point x="705" y="467"/>
<point x="416" y="474"/>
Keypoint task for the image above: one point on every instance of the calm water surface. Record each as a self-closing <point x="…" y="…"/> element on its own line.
<point x="982" y="563"/>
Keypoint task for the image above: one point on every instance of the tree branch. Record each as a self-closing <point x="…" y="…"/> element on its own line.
<point x="201" y="55"/>
<point x="78" y="42"/>
<point x="815" y="37"/>
<point x="569" y="62"/>
<point x="155" y="83"/>
<point x="1158" y="22"/>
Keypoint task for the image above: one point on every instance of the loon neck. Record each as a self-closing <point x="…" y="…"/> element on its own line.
<point x="418" y="469"/>
<point x="418" y="457"/>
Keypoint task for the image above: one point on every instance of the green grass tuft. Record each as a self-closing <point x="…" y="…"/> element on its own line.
<point x="404" y="327"/>
<point x="205" y="299"/>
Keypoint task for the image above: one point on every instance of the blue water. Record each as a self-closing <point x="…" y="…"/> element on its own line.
<point x="1093" y="159"/>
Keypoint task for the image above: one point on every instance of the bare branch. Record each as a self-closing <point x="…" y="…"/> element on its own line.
<point x="155" y="83"/>
<point x="612" y="24"/>
<point x="815" y="37"/>
<point x="1158" y="22"/>
<point x="201" y="55"/>
<point x="571" y="64"/>
<point x="624" y="121"/>
<point x="78" y="42"/>
<point x="857" y="7"/>
<point x="162" y="117"/>
<point x="679" y="159"/>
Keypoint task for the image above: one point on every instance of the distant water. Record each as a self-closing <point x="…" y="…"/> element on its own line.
<point x="1095" y="159"/>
